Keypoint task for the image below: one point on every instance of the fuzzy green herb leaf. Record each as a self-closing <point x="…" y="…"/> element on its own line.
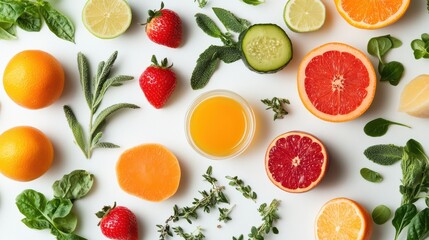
<point x="277" y="105"/>
<point x="230" y="21"/>
<point x="371" y="175"/>
<point x="403" y="216"/>
<point x="208" y="25"/>
<point x="379" y="126"/>
<point x="419" y="226"/>
<point x="245" y="190"/>
<point x="384" y="154"/>
<point x="57" y="22"/>
<point x="74" y="185"/>
<point x="381" y="214"/>
<point x="94" y="91"/>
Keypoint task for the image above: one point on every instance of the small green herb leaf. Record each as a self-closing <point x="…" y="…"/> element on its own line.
<point x="75" y="127"/>
<point x="384" y="154"/>
<point x="381" y="214"/>
<point x="207" y="25"/>
<point x="104" y="114"/>
<point x="105" y="145"/>
<point x="392" y="72"/>
<point x="245" y="190"/>
<point x="415" y="148"/>
<point x="74" y="185"/>
<point x="85" y="79"/>
<point x="254" y="2"/>
<point x="57" y="22"/>
<point x="379" y="126"/>
<point x="420" y="49"/>
<point x="419" y="226"/>
<point x="403" y="216"/>
<point x="379" y="46"/>
<point x="230" y="21"/>
<point x="371" y="175"/>
<point x="277" y="105"/>
<point x="206" y="65"/>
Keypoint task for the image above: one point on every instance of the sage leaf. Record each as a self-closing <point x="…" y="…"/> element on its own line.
<point x="371" y="175"/>
<point x="419" y="226"/>
<point x="205" y="67"/>
<point x="57" y="22"/>
<point x="110" y="82"/>
<point x="207" y="25"/>
<point x="230" y="21"/>
<point x="105" y="145"/>
<point x="381" y="214"/>
<point x="30" y="20"/>
<point x="85" y="79"/>
<point x="7" y="31"/>
<point x="74" y="185"/>
<point x="109" y="111"/>
<point x="379" y="126"/>
<point x="11" y="10"/>
<point x="392" y="72"/>
<point x="76" y="128"/>
<point x="384" y="154"/>
<point x="403" y="216"/>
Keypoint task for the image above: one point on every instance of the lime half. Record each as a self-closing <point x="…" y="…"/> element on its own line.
<point x="106" y="18"/>
<point x="304" y="15"/>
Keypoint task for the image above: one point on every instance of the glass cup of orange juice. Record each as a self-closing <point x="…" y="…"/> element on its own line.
<point x="220" y="124"/>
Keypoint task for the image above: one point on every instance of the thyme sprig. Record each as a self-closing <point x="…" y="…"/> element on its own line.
<point x="277" y="105"/>
<point x="224" y="214"/>
<point x="239" y="185"/>
<point x="196" y="235"/>
<point x="210" y="199"/>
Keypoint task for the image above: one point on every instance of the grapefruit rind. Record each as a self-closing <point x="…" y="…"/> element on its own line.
<point x="366" y="226"/>
<point x="323" y="167"/>
<point x="360" y="24"/>
<point x="341" y="47"/>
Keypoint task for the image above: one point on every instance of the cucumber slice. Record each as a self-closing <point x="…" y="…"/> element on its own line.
<point x="265" y="48"/>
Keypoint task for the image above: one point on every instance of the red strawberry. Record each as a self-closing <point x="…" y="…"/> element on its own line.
<point x="164" y="27"/>
<point x="158" y="82"/>
<point x="118" y="223"/>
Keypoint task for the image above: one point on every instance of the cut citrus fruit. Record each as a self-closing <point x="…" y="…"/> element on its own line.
<point x="415" y="97"/>
<point x="304" y="15"/>
<point x="106" y="18"/>
<point x="149" y="171"/>
<point x="296" y="161"/>
<point x="371" y="14"/>
<point x="343" y="219"/>
<point x="336" y="82"/>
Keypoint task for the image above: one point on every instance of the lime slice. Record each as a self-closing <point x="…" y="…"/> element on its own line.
<point x="106" y="18"/>
<point x="304" y="15"/>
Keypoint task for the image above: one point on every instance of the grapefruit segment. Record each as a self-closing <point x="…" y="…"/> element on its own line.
<point x="336" y="82"/>
<point x="296" y="161"/>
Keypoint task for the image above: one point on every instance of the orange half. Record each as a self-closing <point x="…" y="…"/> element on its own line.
<point x="371" y="14"/>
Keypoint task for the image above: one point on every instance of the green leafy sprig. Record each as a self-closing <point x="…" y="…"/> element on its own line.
<point x="245" y="190"/>
<point x="379" y="126"/>
<point x="208" y="60"/>
<point x="224" y="214"/>
<point x="94" y="90"/>
<point x="56" y="214"/>
<point x="29" y="15"/>
<point x="421" y="46"/>
<point x="196" y="235"/>
<point x="203" y="3"/>
<point x="389" y="71"/>
<point x="277" y="105"/>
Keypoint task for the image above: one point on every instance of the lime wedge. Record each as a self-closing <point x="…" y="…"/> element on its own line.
<point x="106" y="18"/>
<point x="304" y="15"/>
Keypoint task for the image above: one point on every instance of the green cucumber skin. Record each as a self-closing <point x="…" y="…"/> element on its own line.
<point x="243" y="55"/>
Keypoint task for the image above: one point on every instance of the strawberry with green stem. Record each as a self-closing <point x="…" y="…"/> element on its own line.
<point x="118" y="223"/>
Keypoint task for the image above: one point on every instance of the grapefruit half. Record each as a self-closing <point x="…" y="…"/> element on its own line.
<point x="296" y="161"/>
<point x="336" y="82"/>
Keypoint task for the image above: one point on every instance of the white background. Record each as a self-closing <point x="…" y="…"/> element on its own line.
<point x="345" y="141"/>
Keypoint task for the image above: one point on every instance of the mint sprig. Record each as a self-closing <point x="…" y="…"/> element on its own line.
<point x="94" y="90"/>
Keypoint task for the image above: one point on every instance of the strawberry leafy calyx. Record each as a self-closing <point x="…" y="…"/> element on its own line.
<point x="154" y="13"/>
<point x="163" y="64"/>
<point x="104" y="212"/>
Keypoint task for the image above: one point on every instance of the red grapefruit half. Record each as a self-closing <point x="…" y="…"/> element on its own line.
<point x="336" y="82"/>
<point x="296" y="161"/>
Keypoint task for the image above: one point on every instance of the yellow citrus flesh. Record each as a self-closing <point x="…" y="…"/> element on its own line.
<point x="415" y="97"/>
<point x="107" y="18"/>
<point x="343" y="219"/>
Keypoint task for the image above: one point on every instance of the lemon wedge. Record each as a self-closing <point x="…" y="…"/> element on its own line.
<point x="415" y="97"/>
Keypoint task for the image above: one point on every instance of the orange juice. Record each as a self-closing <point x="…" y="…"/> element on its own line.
<point x="220" y="124"/>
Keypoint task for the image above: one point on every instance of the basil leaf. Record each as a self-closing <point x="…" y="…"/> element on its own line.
<point x="30" y="20"/>
<point x="419" y="226"/>
<point x="207" y="25"/>
<point x="57" y="22"/>
<point x="379" y="46"/>
<point x="403" y="216"/>
<point x="371" y="175"/>
<point x="392" y="72"/>
<point x="379" y="126"/>
<point x="74" y="185"/>
<point x="10" y="10"/>
<point x="7" y="31"/>
<point x="384" y="154"/>
<point x="381" y="214"/>
<point x="230" y="21"/>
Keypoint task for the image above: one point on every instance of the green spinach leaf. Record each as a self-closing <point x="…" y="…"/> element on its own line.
<point x="403" y="216"/>
<point x="74" y="185"/>
<point x="419" y="226"/>
<point x="379" y="126"/>
<point x="392" y="72"/>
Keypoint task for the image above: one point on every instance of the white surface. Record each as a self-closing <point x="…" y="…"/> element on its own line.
<point x="344" y="141"/>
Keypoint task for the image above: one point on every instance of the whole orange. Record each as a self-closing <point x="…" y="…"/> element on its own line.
<point x="25" y="153"/>
<point x="33" y="79"/>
